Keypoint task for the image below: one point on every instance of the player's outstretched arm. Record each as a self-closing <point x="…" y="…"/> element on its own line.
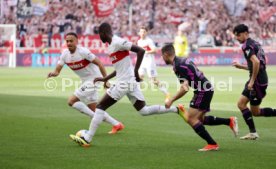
<point x="140" y="55"/>
<point x="55" y="72"/>
<point x="97" y="62"/>
<point x="152" y="50"/>
<point x="182" y="91"/>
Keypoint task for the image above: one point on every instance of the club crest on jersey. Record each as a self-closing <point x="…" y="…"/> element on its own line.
<point x="113" y="58"/>
<point x="247" y="52"/>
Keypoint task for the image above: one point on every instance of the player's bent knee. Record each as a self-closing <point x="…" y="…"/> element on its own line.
<point x="100" y="106"/>
<point x="241" y="105"/>
<point x="255" y="112"/>
<point x="70" y="102"/>
<point x="255" y="115"/>
<point x="144" y="111"/>
<point x="192" y="121"/>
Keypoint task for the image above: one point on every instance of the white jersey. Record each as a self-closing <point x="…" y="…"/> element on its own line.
<point x="118" y="52"/>
<point x="148" y="65"/>
<point x="147" y="44"/>
<point x="80" y="63"/>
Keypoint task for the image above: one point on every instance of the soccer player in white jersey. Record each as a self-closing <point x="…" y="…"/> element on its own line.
<point x="148" y="65"/>
<point x="127" y="83"/>
<point x="88" y="67"/>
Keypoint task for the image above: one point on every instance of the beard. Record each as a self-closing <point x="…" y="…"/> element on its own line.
<point x="167" y="62"/>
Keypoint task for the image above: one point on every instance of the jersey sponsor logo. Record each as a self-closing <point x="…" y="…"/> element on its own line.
<point x="78" y="65"/>
<point x="119" y="55"/>
<point x="147" y="48"/>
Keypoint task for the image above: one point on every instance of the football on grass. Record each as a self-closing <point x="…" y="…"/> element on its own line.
<point x="81" y="133"/>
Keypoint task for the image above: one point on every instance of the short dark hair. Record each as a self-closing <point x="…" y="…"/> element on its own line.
<point x="105" y="27"/>
<point x="144" y="27"/>
<point x="72" y="33"/>
<point x="240" y="29"/>
<point x="168" y="48"/>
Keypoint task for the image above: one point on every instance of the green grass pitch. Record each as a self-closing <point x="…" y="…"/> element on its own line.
<point x="35" y="125"/>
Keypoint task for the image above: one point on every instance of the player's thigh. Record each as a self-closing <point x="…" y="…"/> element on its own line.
<point x="106" y="102"/>
<point x="87" y="93"/>
<point x="72" y="99"/>
<point x="92" y="106"/>
<point x="136" y="97"/>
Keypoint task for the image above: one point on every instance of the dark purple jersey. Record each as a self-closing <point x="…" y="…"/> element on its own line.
<point x="250" y="48"/>
<point x="185" y="69"/>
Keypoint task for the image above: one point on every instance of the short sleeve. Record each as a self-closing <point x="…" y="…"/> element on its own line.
<point x="123" y="44"/>
<point x="151" y="44"/>
<point x="88" y="55"/>
<point x="249" y="51"/>
<point x="182" y="80"/>
<point x="61" y="60"/>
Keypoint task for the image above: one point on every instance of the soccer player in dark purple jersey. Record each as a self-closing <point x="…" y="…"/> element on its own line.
<point x="255" y="88"/>
<point x="189" y="76"/>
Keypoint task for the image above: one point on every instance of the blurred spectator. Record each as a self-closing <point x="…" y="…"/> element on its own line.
<point x="215" y="18"/>
<point x="181" y="44"/>
<point x="235" y="7"/>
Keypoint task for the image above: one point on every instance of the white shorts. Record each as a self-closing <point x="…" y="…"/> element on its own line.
<point x="148" y="67"/>
<point x="87" y="92"/>
<point x="131" y="90"/>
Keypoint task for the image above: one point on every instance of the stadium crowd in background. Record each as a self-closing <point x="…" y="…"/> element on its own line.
<point x="206" y="23"/>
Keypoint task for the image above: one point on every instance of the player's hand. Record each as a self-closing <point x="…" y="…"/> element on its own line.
<point x="236" y="65"/>
<point x="168" y="103"/>
<point x="107" y="85"/>
<point x="137" y="77"/>
<point x="99" y="79"/>
<point x="52" y="74"/>
<point x="250" y="85"/>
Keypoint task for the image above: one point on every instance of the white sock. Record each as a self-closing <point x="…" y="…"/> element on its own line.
<point x="86" y="110"/>
<point x="163" y="90"/>
<point x="80" y="106"/>
<point x="157" y="109"/>
<point x="110" y="120"/>
<point x="94" y="124"/>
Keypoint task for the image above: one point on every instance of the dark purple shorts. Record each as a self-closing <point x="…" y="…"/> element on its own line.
<point x="202" y="100"/>
<point x="255" y="96"/>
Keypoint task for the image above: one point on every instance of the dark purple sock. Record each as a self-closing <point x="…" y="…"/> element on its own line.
<point x="213" y="120"/>
<point x="200" y="130"/>
<point x="268" y="112"/>
<point x="247" y="115"/>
